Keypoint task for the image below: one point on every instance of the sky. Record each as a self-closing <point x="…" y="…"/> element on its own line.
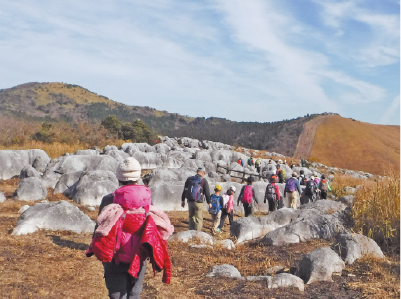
<point x="254" y="60"/>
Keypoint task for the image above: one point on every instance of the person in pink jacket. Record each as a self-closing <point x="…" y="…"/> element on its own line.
<point x="228" y="208"/>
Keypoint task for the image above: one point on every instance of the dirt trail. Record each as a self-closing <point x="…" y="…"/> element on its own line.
<point x="305" y="141"/>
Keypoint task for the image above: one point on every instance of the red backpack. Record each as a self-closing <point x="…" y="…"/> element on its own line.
<point x="247" y="196"/>
<point x="323" y="185"/>
<point x="129" y="236"/>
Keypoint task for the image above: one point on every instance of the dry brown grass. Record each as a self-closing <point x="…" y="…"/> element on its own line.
<point x="341" y="181"/>
<point x="376" y="209"/>
<point x="349" y="144"/>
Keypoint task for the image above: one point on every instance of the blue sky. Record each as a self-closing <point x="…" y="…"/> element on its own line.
<point x="256" y="60"/>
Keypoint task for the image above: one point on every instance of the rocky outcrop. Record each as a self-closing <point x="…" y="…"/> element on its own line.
<point x="354" y="246"/>
<point x="30" y="189"/>
<point x="319" y="265"/>
<point x="59" y="215"/>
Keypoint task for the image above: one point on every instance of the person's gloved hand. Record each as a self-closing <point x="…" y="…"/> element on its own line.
<point x="182" y="203"/>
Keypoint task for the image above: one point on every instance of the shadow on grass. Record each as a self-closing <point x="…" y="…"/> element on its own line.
<point x="69" y="244"/>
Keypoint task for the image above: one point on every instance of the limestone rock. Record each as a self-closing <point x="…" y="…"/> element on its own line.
<point x="23" y="209"/>
<point x="67" y="182"/>
<point x="93" y="186"/>
<point x="319" y="265"/>
<point x="285" y="280"/>
<point x="30" y="189"/>
<point x="59" y="215"/>
<point x="224" y="271"/>
<point x="347" y="199"/>
<point x="194" y="236"/>
<point x="227" y="244"/>
<point x="354" y="246"/>
<point x="2" y="197"/>
<point x="28" y="171"/>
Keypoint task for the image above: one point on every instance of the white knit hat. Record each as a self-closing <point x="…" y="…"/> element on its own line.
<point x="128" y="170"/>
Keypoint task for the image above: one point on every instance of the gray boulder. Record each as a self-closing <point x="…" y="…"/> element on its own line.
<point x="319" y="220"/>
<point x="109" y="148"/>
<point x="224" y="271"/>
<point x="30" y="189"/>
<point x="148" y="160"/>
<point x="192" y="236"/>
<point x="180" y="155"/>
<point x="53" y="216"/>
<point x="354" y="246"/>
<point x="227" y="244"/>
<point x="2" y="197"/>
<point x="119" y="156"/>
<point x="347" y="199"/>
<point x="23" y="209"/>
<point x="93" y="186"/>
<point x="69" y="164"/>
<point x="319" y="265"/>
<point x="40" y="163"/>
<point x="193" y="164"/>
<point x="67" y="182"/>
<point x="28" y="171"/>
<point x="285" y="280"/>
<point x="203" y="155"/>
<point x="249" y="228"/>
<point x="161" y="148"/>
<point x="11" y="164"/>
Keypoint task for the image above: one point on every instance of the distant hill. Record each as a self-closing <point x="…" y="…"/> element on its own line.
<point x="73" y="103"/>
<point x="337" y="141"/>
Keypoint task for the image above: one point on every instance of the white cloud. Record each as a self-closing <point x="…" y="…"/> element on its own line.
<point x="392" y="112"/>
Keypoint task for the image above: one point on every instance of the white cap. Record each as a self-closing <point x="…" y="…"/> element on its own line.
<point x="233" y="188"/>
<point x="129" y="170"/>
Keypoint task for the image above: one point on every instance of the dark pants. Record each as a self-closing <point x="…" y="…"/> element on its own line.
<point x="120" y="284"/>
<point x="247" y="209"/>
<point x="224" y="215"/>
<point x="323" y="194"/>
<point x="274" y="205"/>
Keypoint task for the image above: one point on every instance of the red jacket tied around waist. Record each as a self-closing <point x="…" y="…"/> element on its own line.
<point x="147" y="234"/>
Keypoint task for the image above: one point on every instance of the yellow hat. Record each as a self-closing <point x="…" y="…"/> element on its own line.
<point x="218" y="188"/>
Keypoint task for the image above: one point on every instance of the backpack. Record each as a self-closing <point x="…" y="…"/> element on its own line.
<point x="250" y="161"/>
<point x="284" y="174"/>
<point x="215" y="202"/>
<point x="194" y="189"/>
<point x="247" y="196"/>
<point x="130" y="197"/>
<point x="323" y="185"/>
<point x="290" y="186"/>
<point x="271" y="192"/>
<point x="303" y="181"/>
<point x="310" y="188"/>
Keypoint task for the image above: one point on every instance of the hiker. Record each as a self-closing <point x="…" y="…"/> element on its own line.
<point x="272" y="195"/>
<point x="246" y="196"/>
<point x="292" y="165"/>
<point x="228" y="208"/>
<point x="310" y="192"/>
<point x="250" y="161"/>
<point x="195" y="188"/>
<point x="142" y="232"/>
<point x="217" y="203"/>
<point x="291" y="188"/>
<point x="323" y="187"/>
<point x="240" y="162"/>
<point x="302" y="179"/>
<point x="317" y="180"/>
<point x="257" y="165"/>
<point x="280" y="174"/>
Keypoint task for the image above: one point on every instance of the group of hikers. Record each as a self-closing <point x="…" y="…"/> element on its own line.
<point x="130" y="230"/>
<point x="221" y="205"/>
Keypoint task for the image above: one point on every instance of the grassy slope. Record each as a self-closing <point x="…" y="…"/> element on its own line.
<point x="345" y="143"/>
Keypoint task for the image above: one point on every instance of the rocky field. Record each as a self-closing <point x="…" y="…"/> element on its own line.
<point x="48" y="208"/>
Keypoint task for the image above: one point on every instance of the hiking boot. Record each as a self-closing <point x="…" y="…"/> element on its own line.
<point x="219" y="230"/>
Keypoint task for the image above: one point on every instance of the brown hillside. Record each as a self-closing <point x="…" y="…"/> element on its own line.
<point x="356" y="145"/>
